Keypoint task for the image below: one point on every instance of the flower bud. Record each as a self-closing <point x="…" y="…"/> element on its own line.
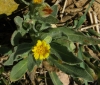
<point x="37" y="1"/>
<point x="45" y="10"/>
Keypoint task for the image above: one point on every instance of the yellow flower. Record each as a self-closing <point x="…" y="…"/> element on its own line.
<point x="37" y="1"/>
<point x="41" y="50"/>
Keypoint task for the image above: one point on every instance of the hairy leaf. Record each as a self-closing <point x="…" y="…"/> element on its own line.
<point x="79" y="37"/>
<point x="49" y="19"/>
<point x="55" y="78"/>
<point x="18" y="70"/>
<point x="65" y="54"/>
<point x="31" y="62"/>
<point x="23" y="48"/>
<point x="10" y="60"/>
<point x="15" y="38"/>
<point x="73" y="70"/>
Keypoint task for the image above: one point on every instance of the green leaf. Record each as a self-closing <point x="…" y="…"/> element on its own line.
<point x="65" y="54"/>
<point x="23" y="48"/>
<point x="10" y="60"/>
<point x="49" y="19"/>
<point x="73" y="70"/>
<point x="55" y="33"/>
<point x="31" y="62"/>
<point x="20" y="52"/>
<point x="79" y="37"/>
<point x="65" y="42"/>
<point x="82" y="18"/>
<point x="38" y="62"/>
<point x="80" y="56"/>
<point x="55" y="10"/>
<point x="55" y="78"/>
<point x="20" y="57"/>
<point x="54" y="52"/>
<point x="48" y="39"/>
<point x="90" y="71"/>
<point x="44" y="26"/>
<point x="93" y="32"/>
<point x="18" y="70"/>
<point x="23" y="31"/>
<point x="15" y="38"/>
<point x="75" y="23"/>
<point x="18" y="21"/>
<point x="81" y="21"/>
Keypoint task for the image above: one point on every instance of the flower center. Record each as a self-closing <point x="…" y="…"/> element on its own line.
<point x="41" y="50"/>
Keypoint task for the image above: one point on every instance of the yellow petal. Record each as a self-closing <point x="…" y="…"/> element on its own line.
<point x="46" y="55"/>
<point x="44" y="43"/>
<point x="48" y="46"/>
<point x="34" y="48"/>
<point x="41" y="57"/>
<point x="39" y="43"/>
<point x="36" y="56"/>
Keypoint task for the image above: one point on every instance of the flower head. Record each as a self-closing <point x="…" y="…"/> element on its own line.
<point x="41" y="50"/>
<point x="37" y="1"/>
